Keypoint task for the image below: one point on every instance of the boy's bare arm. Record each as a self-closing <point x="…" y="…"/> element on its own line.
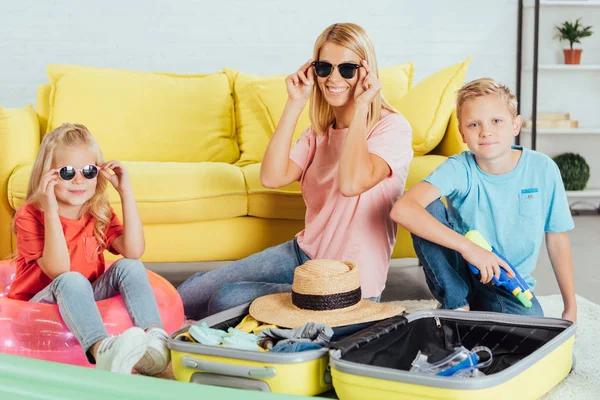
<point x="409" y="211"/>
<point x="559" y="250"/>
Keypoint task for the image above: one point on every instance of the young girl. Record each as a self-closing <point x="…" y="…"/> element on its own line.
<point x="352" y="165"/>
<point x="62" y="231"/>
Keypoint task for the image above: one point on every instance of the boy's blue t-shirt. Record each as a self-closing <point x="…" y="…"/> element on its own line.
<point x="512" y="211"/>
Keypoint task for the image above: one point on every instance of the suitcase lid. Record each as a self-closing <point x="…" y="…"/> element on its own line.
<point x="363" y="338"/>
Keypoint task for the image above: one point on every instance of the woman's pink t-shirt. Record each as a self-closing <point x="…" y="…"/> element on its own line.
<point x="359" y="228"/>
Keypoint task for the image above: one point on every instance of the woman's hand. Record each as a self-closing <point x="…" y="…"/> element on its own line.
<point x="300" y="83"/>
<point x="368" y="85"/>
<point x="119" y="177"/>
<point x="46" y="193"/>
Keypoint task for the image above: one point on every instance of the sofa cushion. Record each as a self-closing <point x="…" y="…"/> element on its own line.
<point x="169" y="193"/>
<point x="19" y="141"/>
<point x="42" y="105"/>
<point x="429" y="104"/>
<point x="144" y="116"/>
<point x="260" y="100"/>
<point x="223" y="240"/>
<point x="283" y="203"/>
<point x="420" y="167"/>
<point x="251" y="119"/>
<point x="452" y="143"/>
<point x="287" y="202"/>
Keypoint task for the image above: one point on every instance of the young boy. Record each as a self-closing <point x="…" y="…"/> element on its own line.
<point x="510" y="194"/>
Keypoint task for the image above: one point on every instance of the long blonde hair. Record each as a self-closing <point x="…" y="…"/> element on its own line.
<point x="73" y="135"/>
<point x="356" y="39"/>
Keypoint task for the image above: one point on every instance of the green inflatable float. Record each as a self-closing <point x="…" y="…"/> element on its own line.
<point x="28" y="378"/>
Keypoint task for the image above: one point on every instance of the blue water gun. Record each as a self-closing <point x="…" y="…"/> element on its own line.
<point x="516" y="285"/>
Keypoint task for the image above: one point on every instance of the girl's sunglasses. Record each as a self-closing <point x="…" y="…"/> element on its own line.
<point x="68" y="172"/>
<point x="324" y="69"/>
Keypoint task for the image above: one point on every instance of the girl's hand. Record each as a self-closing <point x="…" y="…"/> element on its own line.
<point x="300" y="83"/>
<point x="367" y="86"/>
<point x="46" y="193"/>
<point x="120" y="176"/>
<point x="486" y="262"/>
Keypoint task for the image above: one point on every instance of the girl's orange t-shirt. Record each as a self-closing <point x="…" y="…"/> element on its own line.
<point x="86" y="257"/>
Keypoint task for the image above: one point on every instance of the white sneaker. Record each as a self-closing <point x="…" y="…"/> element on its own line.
<point x="121" y="353"/>
<point x="157" y="355"/>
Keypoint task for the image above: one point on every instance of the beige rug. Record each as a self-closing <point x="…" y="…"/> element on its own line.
<point x="584" y="382"/>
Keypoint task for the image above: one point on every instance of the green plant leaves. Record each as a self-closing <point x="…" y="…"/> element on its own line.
<point x="573" y="31"/>
<point x="574" y="170"/>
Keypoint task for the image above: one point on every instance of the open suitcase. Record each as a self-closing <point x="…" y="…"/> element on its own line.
<point x="530" y="356"/>
<point x="305" y="373"/>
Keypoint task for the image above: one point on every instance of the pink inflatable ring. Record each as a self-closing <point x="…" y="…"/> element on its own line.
<point x="38" y="331"/>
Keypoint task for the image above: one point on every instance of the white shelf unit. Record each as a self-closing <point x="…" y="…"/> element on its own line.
<point x="589" y="198"/>
<point x="565" y="67"/>
<point x="587" y="193"/>
<point x="575" y="131"/>
<point x="562" y="3"/>
<point x="551" y="71"/>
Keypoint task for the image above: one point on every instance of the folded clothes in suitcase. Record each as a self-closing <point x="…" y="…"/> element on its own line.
<point x="303" y="373"/>
<point x="530" y="355"/>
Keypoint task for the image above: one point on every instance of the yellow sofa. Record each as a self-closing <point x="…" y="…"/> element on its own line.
<point x="193" y="145"/>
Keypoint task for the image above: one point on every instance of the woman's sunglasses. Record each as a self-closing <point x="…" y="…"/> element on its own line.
<point x="324" y="69"/>
<point x="68" y="172"/>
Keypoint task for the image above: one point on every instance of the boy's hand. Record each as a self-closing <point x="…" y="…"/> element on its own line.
<point x="486" y="262"/>
<point x="120" y="176"/>
<point x="46" y="192"/>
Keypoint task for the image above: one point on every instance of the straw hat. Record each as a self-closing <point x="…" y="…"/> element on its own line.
<point x="324" y="291"/>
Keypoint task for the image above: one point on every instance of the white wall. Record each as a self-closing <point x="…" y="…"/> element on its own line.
<point x="262" y="37"/>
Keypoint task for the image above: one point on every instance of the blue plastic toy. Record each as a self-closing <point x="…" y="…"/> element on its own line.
<point x="516" y="285"/>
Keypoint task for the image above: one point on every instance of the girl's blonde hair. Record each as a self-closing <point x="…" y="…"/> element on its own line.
<point x="482" y="87"/>
<point x="355" y="38"/>
<point x="73" y="135"/>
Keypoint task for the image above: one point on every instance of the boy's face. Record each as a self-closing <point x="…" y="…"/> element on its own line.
<point x="488" y="127"/>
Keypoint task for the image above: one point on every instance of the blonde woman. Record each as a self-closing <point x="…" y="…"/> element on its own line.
<point x="62" y="231"/>
<point x="352" y="164"/>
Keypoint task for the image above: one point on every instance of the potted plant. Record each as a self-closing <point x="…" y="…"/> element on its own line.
<point x="574" y="170"/>
<point x="573" y="32"/>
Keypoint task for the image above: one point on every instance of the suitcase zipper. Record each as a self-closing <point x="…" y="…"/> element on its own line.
<point x="437" y="322"/>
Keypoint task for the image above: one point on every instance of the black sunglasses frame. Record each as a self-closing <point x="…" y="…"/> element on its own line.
<point x="346" y="70"/>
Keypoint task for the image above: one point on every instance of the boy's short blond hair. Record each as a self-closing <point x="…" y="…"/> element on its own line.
<point x="482" y="87"/>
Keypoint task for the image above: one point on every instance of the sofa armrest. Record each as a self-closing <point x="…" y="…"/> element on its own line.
<point x="19" y="142"/>
<point x="452" y="142"/>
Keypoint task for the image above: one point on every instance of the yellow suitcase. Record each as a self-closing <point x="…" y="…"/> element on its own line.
<point x="305" y="373"/>
<point x="530" y="356"/>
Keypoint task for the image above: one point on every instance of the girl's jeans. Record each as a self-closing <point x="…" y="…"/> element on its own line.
<point x="76" y="298"/>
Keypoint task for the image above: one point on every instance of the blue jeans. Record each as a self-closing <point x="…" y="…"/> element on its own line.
<point x="267" y="272"/>
<point x="454" y="285"/>
<point x="76" y="298"/>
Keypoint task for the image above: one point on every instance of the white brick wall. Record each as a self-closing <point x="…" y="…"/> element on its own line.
<point x="262" y="37"/>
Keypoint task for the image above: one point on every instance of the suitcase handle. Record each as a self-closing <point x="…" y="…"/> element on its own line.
<point x="228" y="369"/>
